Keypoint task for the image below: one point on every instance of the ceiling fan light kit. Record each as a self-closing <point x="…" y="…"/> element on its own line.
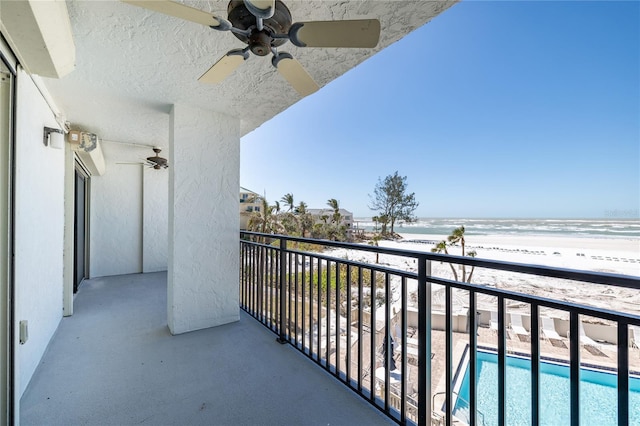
<point x="265" y="25"/>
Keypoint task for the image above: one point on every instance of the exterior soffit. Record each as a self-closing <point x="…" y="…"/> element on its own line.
<point x="133" y="64"/>
<point x="40" y="34"/>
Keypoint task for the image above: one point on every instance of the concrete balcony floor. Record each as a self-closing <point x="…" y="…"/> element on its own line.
<point x="115" y="362"/>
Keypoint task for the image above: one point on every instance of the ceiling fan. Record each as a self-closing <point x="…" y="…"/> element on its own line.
<point x="154" y="162"/>
<point x="265" y="25"/>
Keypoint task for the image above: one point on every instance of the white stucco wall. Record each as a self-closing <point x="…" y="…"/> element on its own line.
<point x="129" y="214"/>
<point x="203" y="219"/>
<point x="39" y="229"/>
<point x="155" y="220"/>
<point x="116" y="217"/>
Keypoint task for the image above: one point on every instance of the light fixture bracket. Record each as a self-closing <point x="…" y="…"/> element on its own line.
<point x="47" y="134"/>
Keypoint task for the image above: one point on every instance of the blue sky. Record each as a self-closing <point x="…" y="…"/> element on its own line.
<point x="493" y="109"/>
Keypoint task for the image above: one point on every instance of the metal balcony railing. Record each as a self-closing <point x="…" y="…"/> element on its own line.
<point x="340" y="313"/>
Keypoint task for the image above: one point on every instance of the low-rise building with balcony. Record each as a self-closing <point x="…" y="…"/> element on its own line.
<point x="326" y="216"/>
<point x="250" y="202"/>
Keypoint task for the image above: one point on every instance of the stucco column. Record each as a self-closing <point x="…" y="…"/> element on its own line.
<point x="155" y="217"/>
<point x="204" y="182"/>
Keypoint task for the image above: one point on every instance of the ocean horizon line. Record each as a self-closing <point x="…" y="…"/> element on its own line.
<point x="603" y="228"/>
<point x="497" y="218"/>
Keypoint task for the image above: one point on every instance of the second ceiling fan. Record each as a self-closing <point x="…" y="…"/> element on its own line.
<point x="264" y="25"/>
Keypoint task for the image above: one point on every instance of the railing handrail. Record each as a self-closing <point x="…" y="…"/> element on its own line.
<point x="617" y="280"/>
<point x="575" y="275"/>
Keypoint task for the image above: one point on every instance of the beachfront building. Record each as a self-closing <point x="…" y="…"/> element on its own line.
<point x="156" y="334"/>
<point x="250" y="202"/>
<point x="325" y="216"/>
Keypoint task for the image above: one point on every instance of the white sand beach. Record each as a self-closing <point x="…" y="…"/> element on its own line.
<point x="608" y="255"/>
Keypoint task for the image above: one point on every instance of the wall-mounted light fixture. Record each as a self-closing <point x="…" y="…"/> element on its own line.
<point x="53" y="137"/>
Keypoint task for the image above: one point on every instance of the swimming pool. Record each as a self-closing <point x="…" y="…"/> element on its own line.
<point x="598" y="393"/>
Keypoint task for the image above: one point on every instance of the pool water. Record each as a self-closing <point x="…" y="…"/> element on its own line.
<point x="598" y="394"/>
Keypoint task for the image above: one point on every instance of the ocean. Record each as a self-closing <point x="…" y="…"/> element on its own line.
<point x="595" y="228"/>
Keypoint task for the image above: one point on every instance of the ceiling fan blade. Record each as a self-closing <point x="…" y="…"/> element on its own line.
<point x="261" y="8"/>
<point x="357" y="33"/>
<point x="295" y="74"/>
<point x="225" y="66"/>
<point x="177" y="10"/>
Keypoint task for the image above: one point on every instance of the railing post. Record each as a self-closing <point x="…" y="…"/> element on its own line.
<point x="473" y="352"/>
<point x="348" y="347"/>
<point x="502" y="361"/>
<point x="448" y="362"/>
<point x="424" y="342"/>
<point x="282" y="338"/>
<point x="403" y="322"/>
<point x="535" y="364"/>
<point x="372" y="334"/>
<point x="327" y="333"/>
<point x="574" y="375"/>
<point x="623" y="373"/>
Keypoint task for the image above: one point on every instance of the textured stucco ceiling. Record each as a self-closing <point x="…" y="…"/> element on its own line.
<point x="133" y="64"/>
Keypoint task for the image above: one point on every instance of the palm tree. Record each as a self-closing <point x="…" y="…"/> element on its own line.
<point x="265" y="220"/>
<point x="335" y="206"/>
<point x="374" y="242"/>
<point x="305" y="221"/>
<point x="384" y="220"/>
<point x="441" y="247"/>
<point x="262" y="220"/>
<point x="289" y="222"/>
<point x="335" y="230"/>
<point x="287" y="200"/>
<point x="288" y="219"/>
<point x="457" y="236"/>
<point x="301" y="208"/>
<point x="472" y="253"/>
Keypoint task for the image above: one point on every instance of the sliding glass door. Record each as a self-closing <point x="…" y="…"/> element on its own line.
<point x="80" y="228"/>
<point x="7" y="102"/>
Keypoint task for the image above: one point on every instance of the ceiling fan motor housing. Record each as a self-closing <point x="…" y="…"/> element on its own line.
<point x="260" y="42"/>
<point x="156" y="161"/>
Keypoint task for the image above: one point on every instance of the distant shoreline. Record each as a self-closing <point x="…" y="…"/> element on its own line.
<point x="578" y="228"/>
<point x="567" y="219"/>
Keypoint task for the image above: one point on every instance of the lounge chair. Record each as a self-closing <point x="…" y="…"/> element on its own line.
<point x="549" y="329"/>
<point x="493" y="323"/>
<point x="635" y="337"/>
<point x="586" y="340"/>
<point x="412" y="344"/>
<point x="517" y="327"/>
